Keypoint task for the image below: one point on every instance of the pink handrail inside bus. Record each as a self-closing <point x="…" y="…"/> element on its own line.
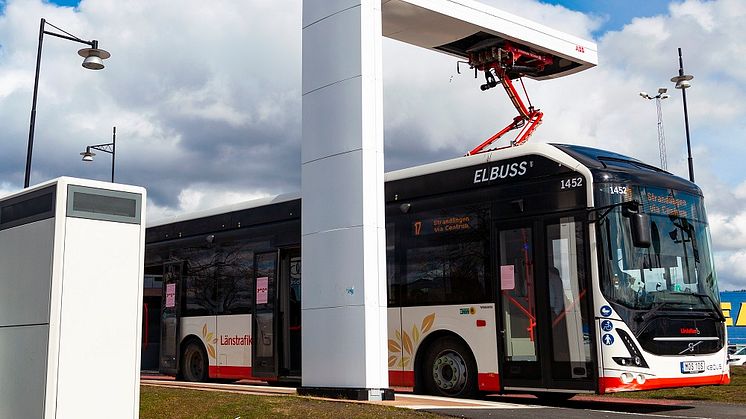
<point x="531" y="317"/>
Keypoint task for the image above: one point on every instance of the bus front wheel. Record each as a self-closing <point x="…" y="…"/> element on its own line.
<point x="450" y="369"/>
<point x="194" y="363"/>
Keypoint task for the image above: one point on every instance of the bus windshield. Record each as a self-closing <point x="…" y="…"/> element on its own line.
<point x="676" y="272"/>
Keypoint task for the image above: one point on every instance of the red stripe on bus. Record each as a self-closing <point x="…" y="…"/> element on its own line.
<point x="615" y="384"/>
<point x="401" y="378"/>
<point x="488" y="381"/>
<point x="230" y="372"/>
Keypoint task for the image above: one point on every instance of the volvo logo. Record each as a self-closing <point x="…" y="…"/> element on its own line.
<point x="690" y="347"/>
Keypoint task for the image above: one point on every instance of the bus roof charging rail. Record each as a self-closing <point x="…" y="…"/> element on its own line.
<point x="501" y="62"/>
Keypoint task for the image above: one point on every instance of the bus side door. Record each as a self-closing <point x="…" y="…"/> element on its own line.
<point x="169" y="348"/>
<point x="264" y="325"/>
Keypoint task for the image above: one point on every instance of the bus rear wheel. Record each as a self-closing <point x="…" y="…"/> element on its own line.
<point x="450" y="369"/>
<point x="194" y="363"/>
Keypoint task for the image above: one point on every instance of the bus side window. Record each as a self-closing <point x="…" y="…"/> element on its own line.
<point x="236" y="279"/>
<point x="447" y="256"/>
<point x="199" y="273"/>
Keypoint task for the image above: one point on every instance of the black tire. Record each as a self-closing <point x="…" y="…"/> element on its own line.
<point x="194" y="366"/>
<point x="449" y="369"/>
<point x="555" y="397"/>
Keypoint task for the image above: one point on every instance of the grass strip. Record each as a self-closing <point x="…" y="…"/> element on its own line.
<point x="162" y="403"/>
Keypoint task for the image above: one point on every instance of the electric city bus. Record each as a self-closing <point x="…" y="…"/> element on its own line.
<point x="546" y="269"/>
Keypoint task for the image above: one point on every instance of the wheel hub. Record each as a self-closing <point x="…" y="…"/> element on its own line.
<point x="449" y="372"/>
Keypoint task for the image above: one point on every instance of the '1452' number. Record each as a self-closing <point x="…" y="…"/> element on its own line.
<point x="575" y="182"/>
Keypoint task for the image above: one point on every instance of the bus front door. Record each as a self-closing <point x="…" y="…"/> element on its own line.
<point x="169" y="347"/>
<point x="546" y="337"/>
<point x="521" y="364"/>
<point x="264" y="348"/>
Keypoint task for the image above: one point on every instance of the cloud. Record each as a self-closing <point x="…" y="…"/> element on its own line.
<point x="200" y="196"/>
<point x="215" y="99"/>
<point x="731" y="267"/>
<point x="206" y="100"/>
<point x="7" y="189"/>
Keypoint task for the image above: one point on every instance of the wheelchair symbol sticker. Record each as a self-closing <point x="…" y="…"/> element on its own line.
<point x="606" y="326"/>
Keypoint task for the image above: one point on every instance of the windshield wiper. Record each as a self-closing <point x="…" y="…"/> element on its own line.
<point x="656" y="307"/>
<point x="704" y="296"/>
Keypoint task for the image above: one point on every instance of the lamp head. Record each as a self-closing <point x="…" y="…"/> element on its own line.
<point x="662" y="90"/>
<point x="644" y="95"/>
<point x="87" y="154"/>
<point x="682" y="82"/>
<point x="94" y="57"/>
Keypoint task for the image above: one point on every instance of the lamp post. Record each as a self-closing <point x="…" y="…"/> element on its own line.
<point x="93" y="60"/>
<point x="682" y="83"/>
<point x="661" y="134"/>
<point x="105" y="148"/>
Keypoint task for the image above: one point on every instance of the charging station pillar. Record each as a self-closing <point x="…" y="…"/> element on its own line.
<point x="71" y="283"/>
<point x="342" y="222"/>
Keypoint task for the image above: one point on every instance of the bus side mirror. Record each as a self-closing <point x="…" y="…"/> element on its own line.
<point x="640" y="228"/>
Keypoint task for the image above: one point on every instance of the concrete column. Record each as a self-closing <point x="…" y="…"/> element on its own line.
<point x="343" y="226"/>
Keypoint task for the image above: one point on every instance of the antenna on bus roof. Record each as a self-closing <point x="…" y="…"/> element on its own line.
<point x="501" y="61"/>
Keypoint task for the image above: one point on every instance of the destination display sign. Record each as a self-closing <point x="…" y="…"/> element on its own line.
<point x="666" y="204"/>
<point x="654" y="200"/>
<point x="448" y="224"/>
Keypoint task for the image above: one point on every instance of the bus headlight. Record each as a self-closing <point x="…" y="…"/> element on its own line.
<point x="626" y="377"/>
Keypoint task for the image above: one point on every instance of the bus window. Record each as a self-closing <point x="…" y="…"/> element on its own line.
<point x="447" y="257"/>
<point x="235" y="279"/>
<point x="200" y="280"/>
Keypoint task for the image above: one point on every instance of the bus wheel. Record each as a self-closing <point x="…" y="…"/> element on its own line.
<point x="450" y="369"/>
<point x="194" y="363"/>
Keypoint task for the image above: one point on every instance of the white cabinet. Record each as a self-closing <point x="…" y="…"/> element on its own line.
<point x="71" y="279"/>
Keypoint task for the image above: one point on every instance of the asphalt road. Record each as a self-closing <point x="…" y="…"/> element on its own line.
<point x="594" y="407"/>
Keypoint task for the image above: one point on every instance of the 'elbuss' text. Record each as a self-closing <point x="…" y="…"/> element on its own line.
<point x="500" y="172"/>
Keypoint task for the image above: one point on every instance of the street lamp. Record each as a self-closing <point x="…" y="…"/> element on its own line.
<point x="661" y="135"/>
<point x="93" y="60"/>
<point x="106" y="148"/>
<point x="683" y="82"/>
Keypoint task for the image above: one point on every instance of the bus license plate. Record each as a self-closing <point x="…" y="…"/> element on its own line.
<point x="692" y="367"/>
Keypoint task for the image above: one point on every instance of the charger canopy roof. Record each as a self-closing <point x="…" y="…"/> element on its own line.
<point x="454" y="26"/>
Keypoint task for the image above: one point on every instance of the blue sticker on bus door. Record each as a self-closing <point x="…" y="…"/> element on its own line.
<point x="606" y="326"/>
<point x="605" y="311"/>
<point x="607" y="339"/>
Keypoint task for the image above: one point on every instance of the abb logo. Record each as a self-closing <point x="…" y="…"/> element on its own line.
<point x="580" y="48"/>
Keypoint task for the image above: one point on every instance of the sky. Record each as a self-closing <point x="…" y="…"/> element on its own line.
<point x="206" y="98"/>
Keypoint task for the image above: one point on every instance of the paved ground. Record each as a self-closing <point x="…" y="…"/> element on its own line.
<point x="599" y="407"/>
<point x="505" y="406"/>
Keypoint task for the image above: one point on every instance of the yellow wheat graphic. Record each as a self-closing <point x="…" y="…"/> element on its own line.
<point x="211" y="340"/>
<point x="401" y="348"/>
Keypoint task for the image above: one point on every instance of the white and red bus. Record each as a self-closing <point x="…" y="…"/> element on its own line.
<point x="544" y="269"/>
